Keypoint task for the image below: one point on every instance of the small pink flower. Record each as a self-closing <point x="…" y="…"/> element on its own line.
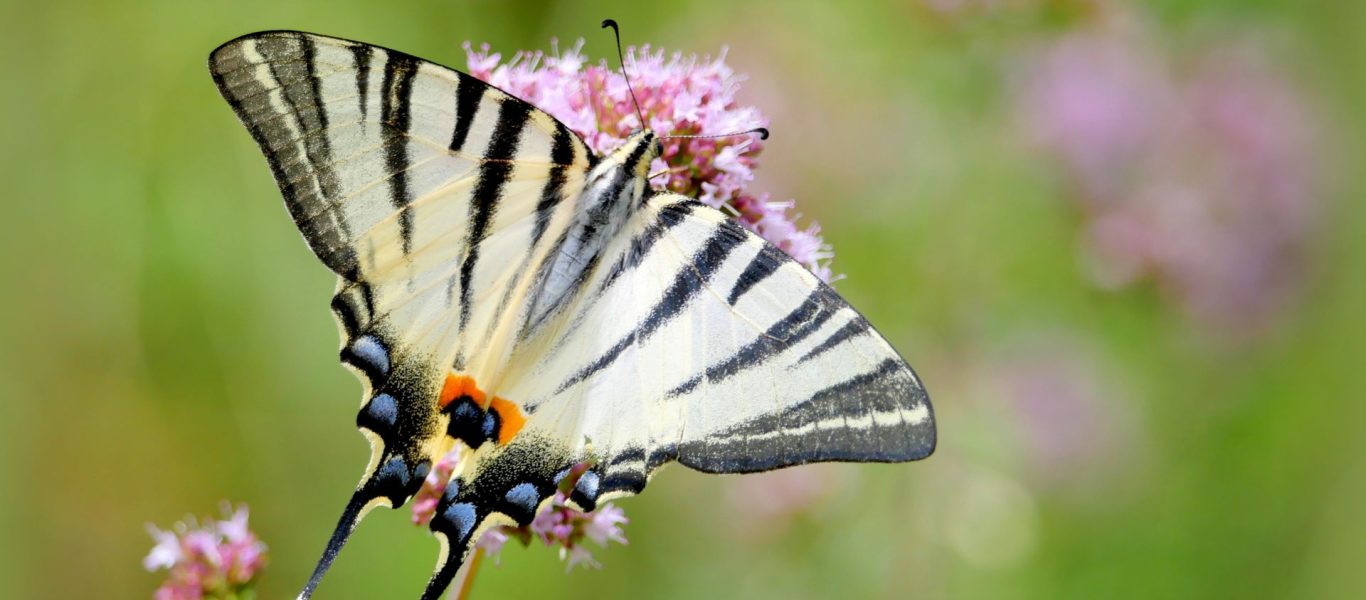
<point x="578" y="555"/>
<point x="556" y="525"/>
<point x="203" y="544"/>
<point x="604" y="525"/>
<point x="166" y="553"/>
<point x="234" y="529"/>
<point x="427" y="497"/>
<point x="219" y="559"/>
<point x="492" y="543"/>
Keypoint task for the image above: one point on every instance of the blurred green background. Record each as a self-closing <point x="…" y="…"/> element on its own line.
<point x="1120" y="241"/>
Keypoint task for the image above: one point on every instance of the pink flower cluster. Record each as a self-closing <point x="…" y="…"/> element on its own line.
<point x="218" y="559"/>
<point x="557" y="524"/>
<point x="1195" y="172"/>
<point x="678" y="96"/>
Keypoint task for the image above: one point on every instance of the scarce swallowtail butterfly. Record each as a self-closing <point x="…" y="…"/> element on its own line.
<point x="501" y="286"/>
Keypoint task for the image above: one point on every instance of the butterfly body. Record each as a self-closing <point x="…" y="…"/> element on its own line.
<point x="502" y="287"/>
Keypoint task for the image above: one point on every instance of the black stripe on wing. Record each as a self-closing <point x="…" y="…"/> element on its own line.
<point x="360" y="54"/>
<point x="396" y="112"/>
<point x="669" y="217"/>
<point x="494" y="172"/>
<point x="691" y="278"/>
<point x="854" y="328"/>
<point x="468" y="94"/>
<point x="787" y="332"/>
<point x="299" y="162"/>
<point x="561" y="156"/>
<point x="764" y="264"/>
<point x="836" y="423"/>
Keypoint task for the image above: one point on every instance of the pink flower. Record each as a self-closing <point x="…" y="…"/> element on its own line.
<point x="578" y="555"/>
<point x="556" y="525"/>
<point x="234" y="529"/>
<point x="604" y="525"/>
<point x="1197" y="173"/>
<point x="492" y="543"/>
<point x="425" y="501"/>
<point x="219" y="559"/>
<point x="679" y="96"/>
<point x="166" y="553"/>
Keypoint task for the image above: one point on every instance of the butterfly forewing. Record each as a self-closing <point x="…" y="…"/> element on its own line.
<point x="428" y="191"/>
<point x="378" y="153"/>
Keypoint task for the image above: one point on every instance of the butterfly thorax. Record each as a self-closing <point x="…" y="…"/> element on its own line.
<point x="616" y="187"/>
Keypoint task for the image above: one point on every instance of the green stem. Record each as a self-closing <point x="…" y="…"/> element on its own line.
<point x="467" y="575"/>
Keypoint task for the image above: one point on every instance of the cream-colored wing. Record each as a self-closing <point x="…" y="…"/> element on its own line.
<point x="705" y="344"/>
<point x="694" y="341"/>
<point x="437" y="200"/>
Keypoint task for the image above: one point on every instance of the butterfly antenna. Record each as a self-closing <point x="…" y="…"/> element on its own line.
<point x="622" y="61"/>
<point x="762" y="131"/>
<point x="355" y="509"/>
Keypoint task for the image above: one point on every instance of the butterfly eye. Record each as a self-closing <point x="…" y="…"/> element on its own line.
<point x="659" y="147"/>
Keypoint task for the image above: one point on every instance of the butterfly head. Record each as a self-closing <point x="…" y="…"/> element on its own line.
<point x="620" y="178"/>
<point x="637" y="152"/>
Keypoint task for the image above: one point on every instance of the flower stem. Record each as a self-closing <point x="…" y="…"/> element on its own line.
<point x="467" y="579"/>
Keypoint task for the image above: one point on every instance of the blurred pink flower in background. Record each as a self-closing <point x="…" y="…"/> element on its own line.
<point x="218" y="559"/>
<point x="1069" y="420"/>
<point x="767" y="504"/>
<point x="951" y="7"/>
<point x="679" y="95"/>
<point x="1197" y="172"/>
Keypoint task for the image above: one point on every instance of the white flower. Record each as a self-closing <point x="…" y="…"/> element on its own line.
<point x="166" y="553"/>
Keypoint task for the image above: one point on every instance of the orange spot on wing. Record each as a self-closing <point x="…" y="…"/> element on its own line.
<point x="511" y="418"/>
<point x="457" y="386"/>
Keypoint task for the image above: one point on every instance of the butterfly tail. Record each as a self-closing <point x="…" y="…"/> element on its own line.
<point x="447" y="565"/>
<point x="361" y="502"/>
<point x="454" y="524"/>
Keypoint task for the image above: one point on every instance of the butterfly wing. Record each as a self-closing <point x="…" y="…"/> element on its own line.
<point x="433" y="196"/>
<point x="713" y="347"/>
<point x="441" y="203"/>
<point x="694" y="341"/>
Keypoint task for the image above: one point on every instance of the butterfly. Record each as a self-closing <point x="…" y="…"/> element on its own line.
<point x="502" y="287"/>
